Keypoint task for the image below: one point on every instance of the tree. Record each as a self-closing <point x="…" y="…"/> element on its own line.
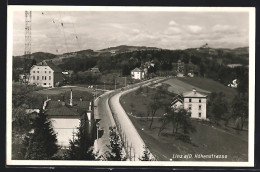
<point x="116" y="147"/>
<point x="180" y="120"/>
<point x="217" y="106"/>
<point x="153" y="106"/>
<point x="40" y="143"/>
<point x="240" y="110"/>
<point x="81" y="147"/>
<point x="147" y="156"/>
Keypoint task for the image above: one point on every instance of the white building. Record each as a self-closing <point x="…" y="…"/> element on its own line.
<point x="137" y="73"/>
<point x="193" y="101"/>
<point x="196" y="103"/>
<point x="46" y="74"/>
<point x="66" y="116"/>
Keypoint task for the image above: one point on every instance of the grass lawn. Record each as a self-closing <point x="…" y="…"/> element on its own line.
<point x="207" y="140"/>
<point x="57" y="93"/>
<point x="211" y="85"/>
<point x="138" y="104"/>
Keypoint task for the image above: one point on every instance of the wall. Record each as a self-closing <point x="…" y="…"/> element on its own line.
<point x="64" y="129"/>
<point x="41" y="71"/>
<point x="195" y="107"/>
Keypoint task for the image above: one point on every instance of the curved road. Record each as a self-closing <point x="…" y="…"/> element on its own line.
<point x="107" y="114"/>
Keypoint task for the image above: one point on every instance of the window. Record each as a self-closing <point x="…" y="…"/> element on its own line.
<point x="33" y="71"/>
<point x="199" y="100"/>
<point x="37" y="77"/>
<point x="33" y="77"/>
<point x="190" y="107"/>
<point x="44" y="83"/>
<point x="189" y="100"/>
<point x="45" y="71"/>
<point x="45" y="78"/>
<point x="199" y="107"/>
<point x="199" y="114"/>
<point x="49" y="77"/>
<point x="49" y="71"/>
<point x="37" y="71"/>
<point x="49" y="83"/>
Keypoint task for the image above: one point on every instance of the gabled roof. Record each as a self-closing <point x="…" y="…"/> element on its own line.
<point x="61" y="109"/>
<point x="194" y="93"/>
<point x="51" y="65"/>
<point x="176" y="99"/>
<point x="137" y="70"/>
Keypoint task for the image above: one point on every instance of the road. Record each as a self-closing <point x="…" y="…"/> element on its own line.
<point x="133" y="142"/>
<point x="109" y="110"/>
<point x="103" y="112"/>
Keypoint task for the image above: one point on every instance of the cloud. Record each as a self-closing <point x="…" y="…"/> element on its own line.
<point x="173" y="23"/>
<point x="172" y="31"/>
<point x="116" y="25"/>
<point x="194" y="28"/>
<point x="135" y="31"/>
<point x="223" y="28"/>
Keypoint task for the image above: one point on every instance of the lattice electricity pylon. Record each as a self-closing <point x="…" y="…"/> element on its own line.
<point x="27" y="45"/>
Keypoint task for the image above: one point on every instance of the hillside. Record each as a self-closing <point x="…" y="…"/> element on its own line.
<point x="126" y="48"/>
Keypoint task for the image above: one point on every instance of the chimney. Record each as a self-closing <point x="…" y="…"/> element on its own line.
<point x="71" y="98"/>
<point x="194" y="90"/>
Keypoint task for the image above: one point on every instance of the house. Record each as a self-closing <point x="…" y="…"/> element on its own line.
<point x="138" y="73"/>
<point x="193" y="101"/>
<point x="234" y="84"/>
<point x="196" y="103"/>
<point x="46" y="74"/>
<point x="234" y="65"/>
<point x="95" y="70"/>
<point x="177" y="102"/>
<point x="66" y="117"/>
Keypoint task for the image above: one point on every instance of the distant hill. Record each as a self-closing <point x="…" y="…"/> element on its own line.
<point x="40" y="56"/>
<point x="126" y="48"/>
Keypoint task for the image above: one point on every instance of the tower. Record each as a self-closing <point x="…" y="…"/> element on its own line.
<point x="27" y="45"/>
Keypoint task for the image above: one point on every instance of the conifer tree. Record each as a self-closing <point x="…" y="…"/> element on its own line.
<point x="81" y="148"/>
<point x="40" y="142"/>
<point x="116" y="147"/>
<point x="146" y="155"/>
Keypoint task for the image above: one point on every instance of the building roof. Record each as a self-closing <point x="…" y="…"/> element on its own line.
<point x="51" y="65"/>
<point x="176" y="99"/>
<point x="62" y="109"/>
<point x="95" y="70"/>
<point x="194" y="93"/>
<point x="137" y="70"/>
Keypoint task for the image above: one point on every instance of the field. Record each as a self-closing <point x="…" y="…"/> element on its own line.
<point x="211" y="85"/>
<point x="177" y="86"/>
<point x="207" y="140"/>
<point x="58" y="93"/>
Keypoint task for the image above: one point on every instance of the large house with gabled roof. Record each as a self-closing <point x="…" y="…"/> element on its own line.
<point x="193" y="101"/>
<point x="138" y="73"/>
<point x="66" y="117"/>
<point x="46" y="74"/>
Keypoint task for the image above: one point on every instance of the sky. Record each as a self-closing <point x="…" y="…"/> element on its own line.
<point x="67" y="31"/>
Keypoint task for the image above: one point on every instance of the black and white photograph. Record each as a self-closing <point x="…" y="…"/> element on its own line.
<point x="98" y="85"/>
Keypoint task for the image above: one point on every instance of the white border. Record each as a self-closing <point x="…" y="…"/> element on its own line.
<point x="250" y="163"/>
